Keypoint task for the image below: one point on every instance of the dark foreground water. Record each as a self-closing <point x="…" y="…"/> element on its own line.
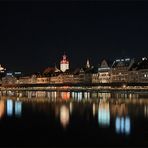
<point x="74" y="119"/>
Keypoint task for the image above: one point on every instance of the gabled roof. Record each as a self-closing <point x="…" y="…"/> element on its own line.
<point x="121" y="63"/>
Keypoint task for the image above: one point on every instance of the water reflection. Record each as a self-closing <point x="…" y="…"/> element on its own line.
<point x="2" y="108"/>
<point x="16" y="105"/>
<point x="86" y="95"/>
<point x="78" y="96"/>
<point x="104" y="114"/>
<point x="18" y="108"/>
<point x="9" y="107"/>
<point x="117" y="111"/>
<point x="64" y="116"/>
<point x="123" y="125"/>
<point x="71" y="107"/>
<point x="146" y="111"/>
<point x="94" y="109"/>
<point x="104" y="96"/>
<point x="65" y="96"/>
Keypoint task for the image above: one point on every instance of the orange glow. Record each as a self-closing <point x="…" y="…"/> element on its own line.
<point x="65" y="96"/>
<point x="2" y="108"/>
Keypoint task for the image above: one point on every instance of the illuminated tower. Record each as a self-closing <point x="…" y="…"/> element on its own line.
<point x="87" y="64"/>
<point x="64" y="64"/>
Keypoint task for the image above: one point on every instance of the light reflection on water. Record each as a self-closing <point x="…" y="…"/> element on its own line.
<point x="14" y="107"/>
<point x="123" y="125"/>
<point x="2" y="108"/>
<point x="64" y="115"/>
<point x="116" y="111"/>
<point x="104" y="114"/>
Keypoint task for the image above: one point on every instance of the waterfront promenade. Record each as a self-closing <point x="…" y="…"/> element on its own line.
<point x="77" y="87"/>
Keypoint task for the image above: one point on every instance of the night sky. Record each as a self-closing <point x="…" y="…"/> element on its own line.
<point x="34" y="35"/>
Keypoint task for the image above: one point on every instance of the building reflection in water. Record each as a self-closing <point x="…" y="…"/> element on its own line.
<point x="86" y="95"/>
<point x="123" y="125"/>
<point x="71" y="107"/>
<point x="65" y="96"/>
<point x="9" y="107"/>
<point x="94" y="109"/>
<point x="77" y="96"/>
<point x="146" y="111"/>
<point x="104" y="96"/>
<point x="2" y="108"/>
<point x="54" y="95"/>
<point x="18" y="108"/>
<point x="64" y="116"/>
<point x="104" y="114"/>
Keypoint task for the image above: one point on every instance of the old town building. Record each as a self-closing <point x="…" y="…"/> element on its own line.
<point x="120" y="70"/>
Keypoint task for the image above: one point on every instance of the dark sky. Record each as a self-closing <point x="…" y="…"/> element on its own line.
<point x="34" y="35"/>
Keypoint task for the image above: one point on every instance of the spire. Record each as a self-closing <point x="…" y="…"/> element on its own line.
<point x="87" y="64"/>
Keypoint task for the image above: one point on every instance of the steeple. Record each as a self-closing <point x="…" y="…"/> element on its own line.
<point x="87" y="64"/>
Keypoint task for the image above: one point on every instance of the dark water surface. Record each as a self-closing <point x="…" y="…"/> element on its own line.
<point x="74" y="119"/>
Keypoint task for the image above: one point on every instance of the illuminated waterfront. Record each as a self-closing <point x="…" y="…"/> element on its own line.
<point x="69" y="118"/>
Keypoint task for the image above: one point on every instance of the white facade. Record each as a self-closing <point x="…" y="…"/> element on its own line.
<point x="64" y="64"/>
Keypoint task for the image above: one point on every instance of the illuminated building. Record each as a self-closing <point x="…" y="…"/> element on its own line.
<point x="25" y="80"/>
<point x="120" y="70"/>
<point x="56" y="79"/>
<point x="68" y="78"/>
<point x="64" y="64"/>
<point x="9" y="79"/>
<point x="42" y="80"/>
<point x="143" y="70"/>
<point x="103" y="74"/>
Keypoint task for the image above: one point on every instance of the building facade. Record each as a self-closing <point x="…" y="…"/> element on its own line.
<point x="103" y="74"/>
<point x="120" y="70"/>
<point x="64" y="64"/>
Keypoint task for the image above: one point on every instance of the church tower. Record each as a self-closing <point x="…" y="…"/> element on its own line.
<point x="64" y="64"/>
<point x="87" y="64"/>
